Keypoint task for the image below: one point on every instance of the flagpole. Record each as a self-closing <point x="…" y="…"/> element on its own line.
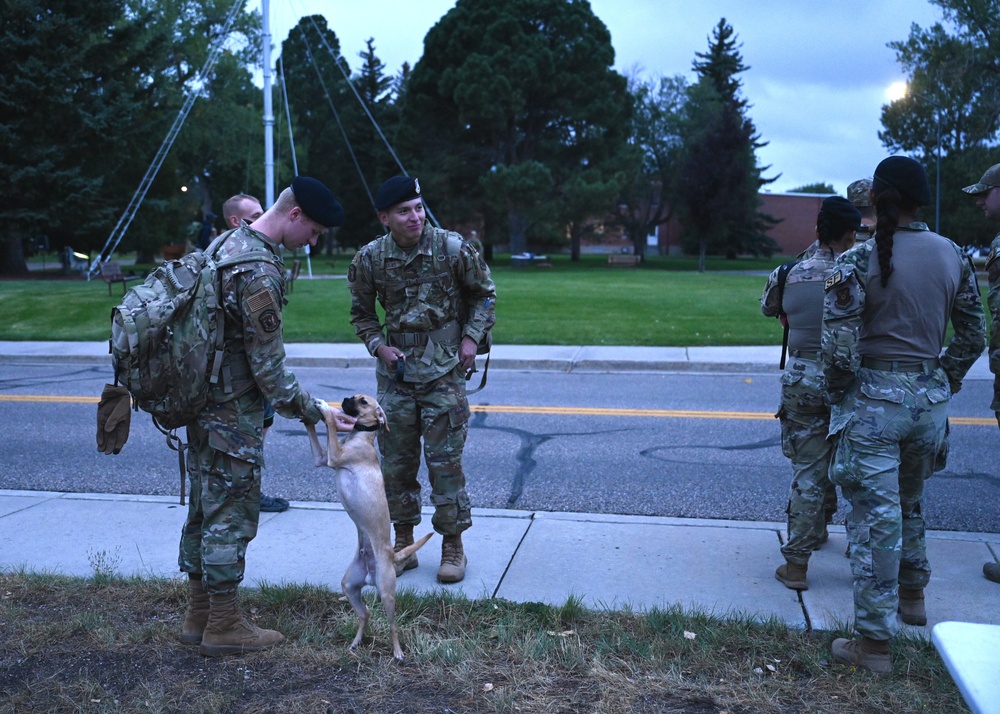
<point x="268" y="109"/>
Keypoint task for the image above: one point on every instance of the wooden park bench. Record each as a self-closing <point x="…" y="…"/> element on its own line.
<point x="111" y="272"/>
<point x="623" y="261"/>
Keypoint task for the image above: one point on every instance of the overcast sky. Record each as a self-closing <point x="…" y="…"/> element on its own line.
<point x="818" y="71"/>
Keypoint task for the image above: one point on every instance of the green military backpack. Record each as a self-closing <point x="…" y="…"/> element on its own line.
<point x="167" y="335"/>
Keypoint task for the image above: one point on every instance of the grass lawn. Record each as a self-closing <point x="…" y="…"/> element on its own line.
<point x="663" y="302"/>
<point x="110" y="644"/>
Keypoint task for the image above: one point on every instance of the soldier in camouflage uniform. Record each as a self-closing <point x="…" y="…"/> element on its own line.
<point x="225" y="453"/>
<point x="987" y="193"/>
<point x="804" y="413"/>
<point x="236" y="211"/>
<point x="438" y="298"/>
<point x="886" y="312"/>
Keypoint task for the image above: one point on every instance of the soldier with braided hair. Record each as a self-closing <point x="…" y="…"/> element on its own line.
<point x="804" y="412"/>
<point x="886" y="313"/>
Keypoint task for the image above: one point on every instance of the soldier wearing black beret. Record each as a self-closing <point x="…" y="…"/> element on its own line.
<point x="225" y="441"/>
<point x="317" y="202"/>
<point x="438" y="297"/>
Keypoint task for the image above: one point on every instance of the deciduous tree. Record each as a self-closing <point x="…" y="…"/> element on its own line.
<point x="951" y="108"/>
<point x="657" y="138"/>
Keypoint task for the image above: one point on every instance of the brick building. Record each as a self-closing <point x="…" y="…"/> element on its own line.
<point x="797" y="228"/>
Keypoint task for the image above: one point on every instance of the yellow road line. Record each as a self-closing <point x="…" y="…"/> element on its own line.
<point x="571" y="411"/>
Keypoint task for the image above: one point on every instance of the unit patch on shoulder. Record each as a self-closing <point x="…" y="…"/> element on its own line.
<point x="844" y="297"/>
<point x="836" y="277"/>
<point x="352" y="273"/>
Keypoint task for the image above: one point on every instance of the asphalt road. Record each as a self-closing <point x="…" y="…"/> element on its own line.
<point x="667" y="444"/>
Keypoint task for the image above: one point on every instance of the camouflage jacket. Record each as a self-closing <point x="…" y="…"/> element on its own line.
<point x="253" y="297"/>
<point x="844" y="306"/>
<point x="432" y="296"/>
<point x="993" y="302"/>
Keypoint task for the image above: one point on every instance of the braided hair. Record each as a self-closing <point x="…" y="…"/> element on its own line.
<point x="899" y="185"/>
<point x="887" y="203"/>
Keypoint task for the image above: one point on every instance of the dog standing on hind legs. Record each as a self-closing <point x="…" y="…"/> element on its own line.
<point x="362" y="492"/>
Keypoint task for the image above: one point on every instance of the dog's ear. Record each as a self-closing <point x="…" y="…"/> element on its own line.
<point x="382" y="421"/>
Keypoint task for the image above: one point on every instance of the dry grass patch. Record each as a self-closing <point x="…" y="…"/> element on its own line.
<point x="110" y="644"/>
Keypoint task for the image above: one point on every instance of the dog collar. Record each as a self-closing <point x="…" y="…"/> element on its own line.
<point x="362" y="427"/>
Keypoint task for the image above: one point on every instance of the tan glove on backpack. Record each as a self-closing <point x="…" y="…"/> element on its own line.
<point x="114" y="417"/>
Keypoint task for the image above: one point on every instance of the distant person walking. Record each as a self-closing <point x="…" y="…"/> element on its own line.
<point x="804" y="412"/>
<point x="987" y="193"/>
<point x="886" y="313"/>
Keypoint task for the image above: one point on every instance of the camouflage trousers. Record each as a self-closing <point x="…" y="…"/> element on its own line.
<point x="805" y="425"/>
<point x="438" y="413"/>
<point x="223" y="513"/>
<point x="893" y="436"/>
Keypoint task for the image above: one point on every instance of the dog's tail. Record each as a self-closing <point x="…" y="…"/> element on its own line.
<point x="409" y="550"/>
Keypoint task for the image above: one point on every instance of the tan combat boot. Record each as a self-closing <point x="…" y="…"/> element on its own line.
<point x="404" y="537"/>
<point x="865" y="652"/>
<point x="229" y="632"/>
<point x="453" y="560"/>
<point x="792" y="575"/>
<point x="196" y="614"/>
<point x="911" y="606"/>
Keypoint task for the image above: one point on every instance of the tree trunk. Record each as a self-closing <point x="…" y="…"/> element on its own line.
<point x="517" y="228"/>
<point x="702" y="252"/>
<point x="574" y="243"/>
<point x="12" y="262"/>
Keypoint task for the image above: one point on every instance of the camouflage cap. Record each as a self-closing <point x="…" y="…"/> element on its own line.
<point x="990" y="179"/>
<point x="857" y="192"/>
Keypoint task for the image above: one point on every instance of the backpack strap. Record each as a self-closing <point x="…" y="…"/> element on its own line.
<point x="783" y="271"/>
<point x="251" y="256"/>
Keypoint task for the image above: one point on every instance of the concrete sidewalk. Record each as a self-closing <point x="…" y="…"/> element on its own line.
<point x="607" y="561"/>
<point x="524" y="357"/>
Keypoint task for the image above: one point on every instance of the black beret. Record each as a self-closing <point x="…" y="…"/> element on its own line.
<point x="317" y="201"/>
<point x="905" y="175"/>
<point x="842" y="212"/>
<point x="396" y="190"/>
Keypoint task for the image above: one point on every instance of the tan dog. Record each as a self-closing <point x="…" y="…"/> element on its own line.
<point x="362" y="492"/>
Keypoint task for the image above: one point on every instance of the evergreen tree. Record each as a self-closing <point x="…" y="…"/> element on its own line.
<point x="70" y="121"/>
<point x="716" y="189"/>
<point x="338" y="142"/>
